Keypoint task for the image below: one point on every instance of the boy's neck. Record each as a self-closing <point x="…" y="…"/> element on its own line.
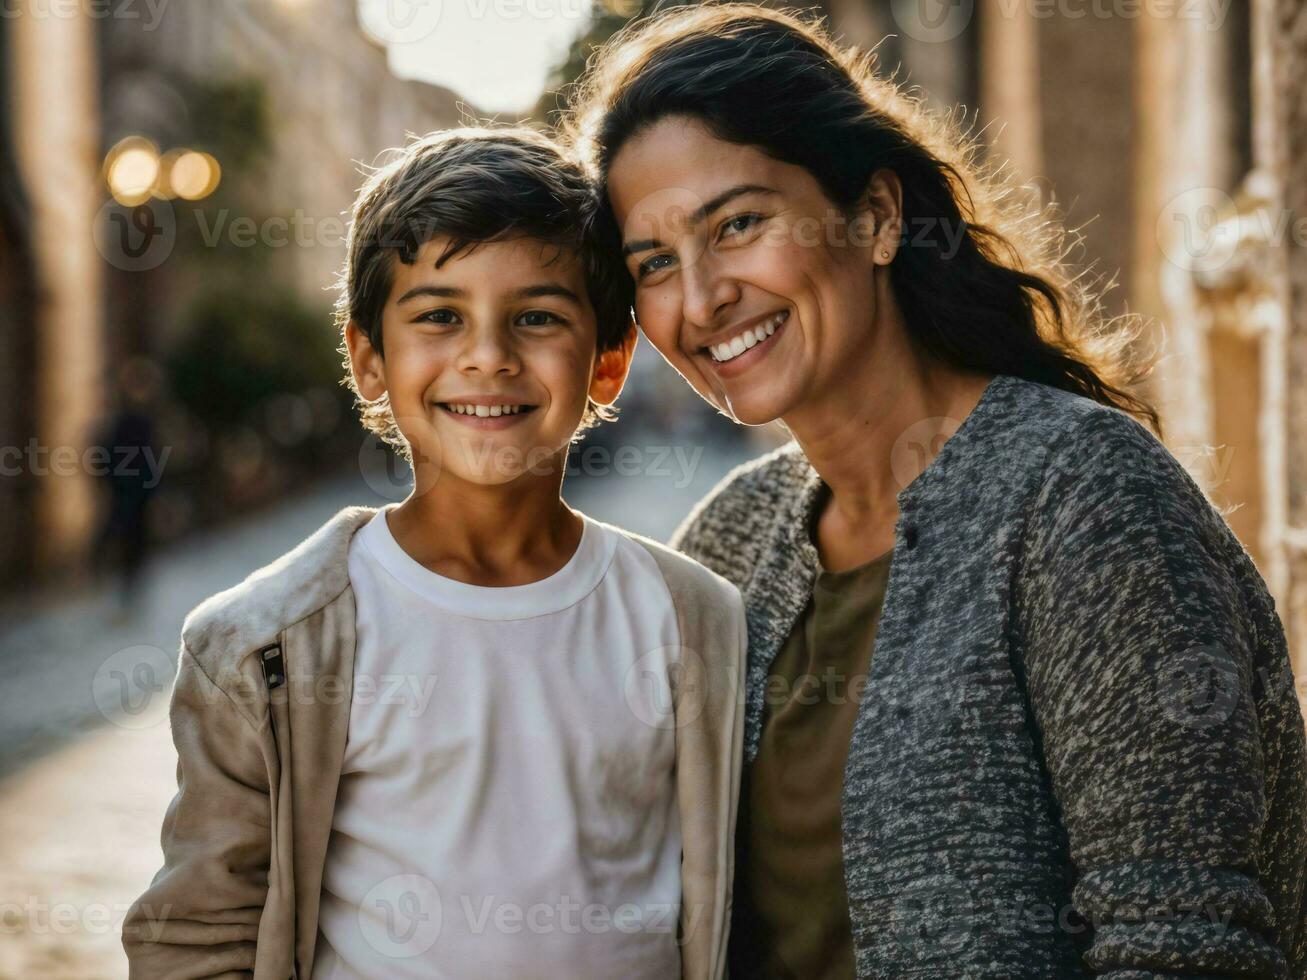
<point x="504" y="535"/>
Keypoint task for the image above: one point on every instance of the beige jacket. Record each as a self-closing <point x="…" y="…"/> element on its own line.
<point x="260" y="712"/>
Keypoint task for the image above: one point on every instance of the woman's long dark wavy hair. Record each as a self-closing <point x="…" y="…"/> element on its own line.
<point x="999" y="298"/>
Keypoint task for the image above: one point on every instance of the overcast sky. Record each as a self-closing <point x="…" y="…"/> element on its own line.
<point x="494" y="53"/>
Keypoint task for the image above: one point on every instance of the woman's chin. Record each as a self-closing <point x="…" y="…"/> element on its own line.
<point x="750" y="409"/>
<point x="755" y="418"/>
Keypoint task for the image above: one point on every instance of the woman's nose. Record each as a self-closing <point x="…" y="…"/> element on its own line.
<point x="708" y="293"/>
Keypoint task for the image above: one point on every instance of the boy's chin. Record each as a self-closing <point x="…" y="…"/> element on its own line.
<point x="488" y="476"/>
<point x="484" y="462"/>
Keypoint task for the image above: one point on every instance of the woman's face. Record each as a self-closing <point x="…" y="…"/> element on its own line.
<point x="749" y="280"/>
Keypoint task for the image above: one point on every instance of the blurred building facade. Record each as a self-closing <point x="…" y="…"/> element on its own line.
<point x="75" y="309"/>
<point x="55" y="342"/>
<point x="333" y="103"/>
<point x="1280" y="73"/>
<point x="1176" y="145"/>
<point x="17" y="300"/>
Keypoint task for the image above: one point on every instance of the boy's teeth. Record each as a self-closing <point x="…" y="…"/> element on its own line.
<point x="485" y="411"/>
<point x="750" y="338"/>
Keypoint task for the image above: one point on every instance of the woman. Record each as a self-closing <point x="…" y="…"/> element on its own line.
<point x="1076" y="749"/>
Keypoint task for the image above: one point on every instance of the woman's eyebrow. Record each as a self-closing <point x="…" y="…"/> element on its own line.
<point x="700" y="213"/>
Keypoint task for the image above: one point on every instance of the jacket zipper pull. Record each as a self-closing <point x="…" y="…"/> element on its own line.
<point x="274" y="666"/>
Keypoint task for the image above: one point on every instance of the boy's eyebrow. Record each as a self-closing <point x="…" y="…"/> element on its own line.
<point x="439" y="292"/>
<point x="526" y="292"/>
<point x="700" y="213"/>
<point x="546" y="289"/>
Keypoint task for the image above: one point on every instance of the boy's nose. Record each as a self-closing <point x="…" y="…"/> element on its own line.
<point x="489" y="353"/>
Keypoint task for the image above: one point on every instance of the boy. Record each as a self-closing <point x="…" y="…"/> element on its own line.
<point x="474" y="734"/>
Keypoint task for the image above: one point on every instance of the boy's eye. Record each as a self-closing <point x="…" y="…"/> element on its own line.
<point x="740" y="223"/>
<point x="655" y="263"/>
<point x="438" y="316"/>
<point x="538" y="318"/>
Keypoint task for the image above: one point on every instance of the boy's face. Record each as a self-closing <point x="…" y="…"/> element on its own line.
<point x="489" y="359"/>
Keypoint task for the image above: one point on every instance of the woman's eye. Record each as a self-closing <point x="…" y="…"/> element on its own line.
<point x="439" y="316"/>
<point x="655" y="263"/>
<point x="740" y="223"/>
<point x="538" y="318"/>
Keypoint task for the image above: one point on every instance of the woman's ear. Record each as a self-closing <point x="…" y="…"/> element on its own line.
<point x="882" y="207"/>
<point x="613" y="367"/>
<point x="365" y="364"/>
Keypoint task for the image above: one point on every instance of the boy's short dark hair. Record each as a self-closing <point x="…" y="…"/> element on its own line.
<point x="475" y="185"/>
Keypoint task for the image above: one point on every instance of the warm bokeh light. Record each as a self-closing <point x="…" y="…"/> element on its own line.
<point x="131" y="169"/>
<point x="190" y="174"/>
<point x="163" y="183"/>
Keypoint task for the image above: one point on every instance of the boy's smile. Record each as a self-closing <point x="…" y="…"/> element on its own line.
<point x="487" y="412"/>
<point x="489" y="358"/>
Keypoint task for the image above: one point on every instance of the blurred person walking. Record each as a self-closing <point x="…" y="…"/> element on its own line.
<point x="128" y="479"/>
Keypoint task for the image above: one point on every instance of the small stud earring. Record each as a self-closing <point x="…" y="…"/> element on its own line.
<point x="884" y="254"/>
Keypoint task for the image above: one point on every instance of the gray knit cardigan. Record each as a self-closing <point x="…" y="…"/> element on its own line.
<point x="1080" y="752"/>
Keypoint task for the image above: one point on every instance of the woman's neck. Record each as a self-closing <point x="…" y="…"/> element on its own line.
<point x="877" y="427"/>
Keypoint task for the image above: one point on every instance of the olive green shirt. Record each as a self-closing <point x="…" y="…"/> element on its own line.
<point x="793" y="872"/>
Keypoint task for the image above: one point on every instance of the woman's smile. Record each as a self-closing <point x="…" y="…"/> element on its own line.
<point x="741" y="349"/>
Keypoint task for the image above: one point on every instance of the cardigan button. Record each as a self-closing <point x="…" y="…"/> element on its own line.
<point x="910" y="535"/>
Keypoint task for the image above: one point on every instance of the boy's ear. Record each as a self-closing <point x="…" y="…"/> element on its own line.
<point x="365" y="364"/>
<point x="613" y="367"/>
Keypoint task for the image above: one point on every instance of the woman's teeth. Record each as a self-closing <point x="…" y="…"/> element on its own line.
<point x="486" y="411"/>
<point x="750" y="338"/>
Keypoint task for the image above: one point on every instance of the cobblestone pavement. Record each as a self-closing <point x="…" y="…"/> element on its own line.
<point x="86" y="761"/>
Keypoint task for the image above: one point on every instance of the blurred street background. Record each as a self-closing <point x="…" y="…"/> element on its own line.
<point x="174" y="183"/>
